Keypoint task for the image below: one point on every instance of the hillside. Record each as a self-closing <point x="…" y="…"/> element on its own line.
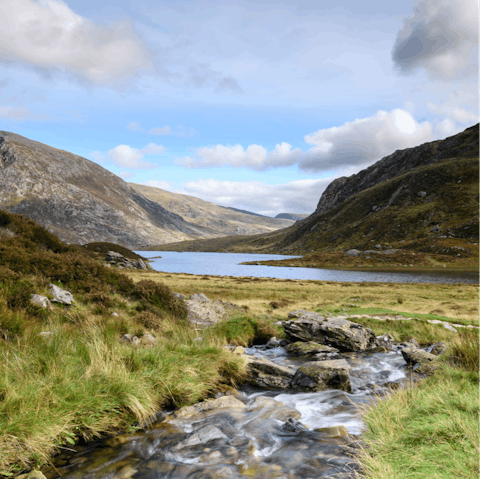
<point x="218" y="220"/>
<point x="81" y="202"/>
<point x="291" y="216"/>
<point x="435" y="200"/>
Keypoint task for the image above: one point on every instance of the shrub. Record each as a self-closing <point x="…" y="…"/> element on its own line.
<point x="159" y="296"/>
<point x="149" y="319"/>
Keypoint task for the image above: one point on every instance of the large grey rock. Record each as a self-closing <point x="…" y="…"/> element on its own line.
<point x="202" y="436"/>
<point x="420" y="360"/>
<point x="385" y="341"/>
<point x="41" y="301"/>
<point x="310" y="348"/>
<point x="353" y="252"/>
<point x="336" y="332"/>
<point x="202" y="312"/>
<point x="267" y="374"/>
<point x="322" y="375"/>
<point x="61" y="295"/>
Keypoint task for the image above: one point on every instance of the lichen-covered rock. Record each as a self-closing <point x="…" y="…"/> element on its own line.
<point x="336" y="332"/>
<point x="267" y="374"/>
<point x="41" y="301"/>
<point x="310" y="348"/>
<point x="385" y="341"/>
<point x="438" y="348"/>
<point x="202" y="436"/>
<point x="420" y="360"/>
<point x="333" y="431"/>
<point x="61" y="295"/>
<point x="202" y="312"/>
<point x="322" y="375"/>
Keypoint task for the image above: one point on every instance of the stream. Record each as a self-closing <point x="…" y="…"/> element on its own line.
<point x="256" y="433"/>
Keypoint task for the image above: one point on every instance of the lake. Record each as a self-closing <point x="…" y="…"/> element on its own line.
<point x="227" y="264"/>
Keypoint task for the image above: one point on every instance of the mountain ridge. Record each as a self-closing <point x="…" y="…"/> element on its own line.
<point x="82" y="202"/>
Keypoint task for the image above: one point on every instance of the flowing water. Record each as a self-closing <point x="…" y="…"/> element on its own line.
<point x="228" y="264"/>
<point x="264" y="438"/>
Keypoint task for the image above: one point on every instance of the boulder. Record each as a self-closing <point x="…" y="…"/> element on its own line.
<point x="384" y="341"/>
<point x="202" y="436"/>
<point x="443" y="323"/>
<point x="272" y="343"/>
<point x="41" y="301"/>
<point x="140" y="264"/>
<point x="336" y="332"/>
<point x="267" y="374"/>
<point x="353" y="252"/>
<point x="61" y="295"/>
<point x="199" y="298"/>
<point x="422" y="194"/>
<point x="293" y="426"/>
<point x="148" y="340"/>
<point x="310" y="348"/>
<point x="180" y="296"/>
<point x="202" y="312"/>
<point x="420" y="360"/>
<point x="437" y="348"/>
<point x="322" y="375"/>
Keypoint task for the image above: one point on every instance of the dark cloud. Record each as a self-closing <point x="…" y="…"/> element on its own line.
<point x="439" y="37"/>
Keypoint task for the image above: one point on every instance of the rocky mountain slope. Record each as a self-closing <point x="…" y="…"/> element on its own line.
<point x="81" y="202"/>
<point x="426" y="192"/>
<point x="223" y="221"/>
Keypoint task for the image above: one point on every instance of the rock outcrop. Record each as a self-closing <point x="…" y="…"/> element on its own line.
<point x="202" y="312"/>
<point x="336" y="332"/>
<point x="321" y="375"/>
<point x="395" y="164"/>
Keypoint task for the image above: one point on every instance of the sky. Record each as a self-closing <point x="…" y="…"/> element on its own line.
<point x="257" y="105"/>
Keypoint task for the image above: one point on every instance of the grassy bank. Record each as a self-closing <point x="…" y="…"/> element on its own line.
<point x="430" y="431"/>
<point x="275" y="298"/>
<point x="64" y="374"/>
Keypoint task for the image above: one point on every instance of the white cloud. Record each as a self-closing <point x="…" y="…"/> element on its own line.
<point x="126" y="175"/>
<point x="442" y="37"/>
<point x="355" y="143"/>
<point x="255" y="157"/>
<point x="49" y="35"/>
<point x="125" y="156"/>
<point x="364" y="140"/>
<point x="294" y="197"/>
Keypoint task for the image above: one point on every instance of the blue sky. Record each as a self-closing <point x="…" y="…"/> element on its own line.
<point x="256" y="105"/>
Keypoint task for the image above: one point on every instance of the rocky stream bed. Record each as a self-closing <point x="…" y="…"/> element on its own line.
<point x="296" y="417"/>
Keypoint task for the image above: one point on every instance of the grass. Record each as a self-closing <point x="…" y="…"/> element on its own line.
<point x="79" y="380"/>
<point x="430" y="431"/>
<point x="456" y="303"/>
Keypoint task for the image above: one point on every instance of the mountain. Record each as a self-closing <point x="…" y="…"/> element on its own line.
<point x="426" y="192"/>
<point x="291" y="216"/>
<point x="81" y="202"/>
<point x="221" y="220"/>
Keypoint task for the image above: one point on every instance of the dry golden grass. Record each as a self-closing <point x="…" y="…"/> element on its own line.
<point x="457" y="302"/>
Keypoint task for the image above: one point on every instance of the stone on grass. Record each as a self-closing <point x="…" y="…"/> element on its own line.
<point x="353" y="252"/>
<point x="419" y="360"/>
<point x="41" y="301"/>
<point x="438" y="348"/>
<point x="61" y="295"/>
<point x="322" y="375"/>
